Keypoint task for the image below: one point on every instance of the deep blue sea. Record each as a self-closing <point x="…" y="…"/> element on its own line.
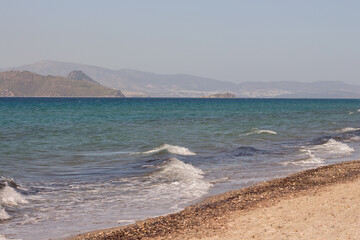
<point x="70" y="165"/>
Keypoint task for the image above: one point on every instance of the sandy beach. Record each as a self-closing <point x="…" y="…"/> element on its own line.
<point x="321" y="203"/>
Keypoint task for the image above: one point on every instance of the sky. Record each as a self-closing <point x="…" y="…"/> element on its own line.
<point x="229" y="40"/>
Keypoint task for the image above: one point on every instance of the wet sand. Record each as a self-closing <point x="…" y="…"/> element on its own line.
<point x="321" y="203"/>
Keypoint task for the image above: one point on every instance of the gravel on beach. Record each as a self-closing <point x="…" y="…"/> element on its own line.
<point x="210" y="215"/>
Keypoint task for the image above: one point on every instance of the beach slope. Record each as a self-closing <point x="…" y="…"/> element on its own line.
<point x="321" y="203"/>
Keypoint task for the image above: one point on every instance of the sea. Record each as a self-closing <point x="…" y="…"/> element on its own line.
<point x="72" y="165"/>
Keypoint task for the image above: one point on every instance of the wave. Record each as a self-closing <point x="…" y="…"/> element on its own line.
<point x="170" y="184"/>
<point x="181" y="177"/>
<point x="334" y="147"/>
<point x="317" y="154"/>
<point x="261" y="131"/>
<point x="9" y="196"/>
<point x="348" y="134"/>
<point x="353" y="139"/>
<point x="221" y="180"/>
<point x="310" y="158"/>
<point x="174" y="169"/>
<point x="246" y="151"/>
<point x="171" y="149"/>
<point x="330" y="149"/>
<point x="103" y="153"/>
<point x="348" y="129"/>
<point x="306" y="158"/>
<point x="3" y="215"/>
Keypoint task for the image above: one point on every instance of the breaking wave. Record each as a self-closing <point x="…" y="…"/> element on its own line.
<point x="171" y="184"/>
<point x="175" y="170"/>
<point x="348" y="129"/>
<point x="171" y="149"/>
<point x="317" y="154"/>
<point x="332" y="149"/>
<point x="309" y="158"/>
<point x="178" y="177"/>
<point x="3" y="214"/>
<point x="9" y="196"/>
<point x="261" y="131"/>
<point x="353" y="139"/>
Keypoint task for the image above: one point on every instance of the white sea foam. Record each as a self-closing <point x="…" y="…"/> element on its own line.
<point x="261" y="131"/>
<point x="9" y="196"/>
<point x="221" y="180"/>
<point x="333" y="148"/>
<point x="172" y="184"/>
<point x="353" y="139"/>
<point x="125" y="221"/>
<point x="348" y="129"/>
<point x="317" y="154"/>
<point x="179" y="178"/>
<point x="171" y="149"/>
<point x="3" y="215"/>
<point x="306" y="158"/>
<point x="175" y="169"/>
<point x="166" y="187"/>
<point x="351" y="113"/>
<point x="309" y="159"/>
<point x="329" y="150"/>
<point x="2" y="237"/>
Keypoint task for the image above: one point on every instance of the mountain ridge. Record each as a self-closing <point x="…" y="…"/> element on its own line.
<point x="136" y="83"/>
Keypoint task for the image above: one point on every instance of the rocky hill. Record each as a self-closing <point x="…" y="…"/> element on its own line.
<point x="80" y="76"/>
<point x="28" y="84"/>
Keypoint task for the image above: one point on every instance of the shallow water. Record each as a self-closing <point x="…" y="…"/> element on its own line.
<point x="73" y="165"/>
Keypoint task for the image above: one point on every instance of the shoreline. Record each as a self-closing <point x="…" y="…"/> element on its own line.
<point x="212" y="215"/>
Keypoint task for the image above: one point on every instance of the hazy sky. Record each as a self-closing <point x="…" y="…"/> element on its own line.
<point x="304" y="40"/>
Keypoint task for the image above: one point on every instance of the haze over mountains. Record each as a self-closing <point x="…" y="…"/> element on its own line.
<point x="135" y="83"/>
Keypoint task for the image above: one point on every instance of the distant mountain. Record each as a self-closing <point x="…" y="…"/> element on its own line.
<point x="221" y="95"/>
<point x="28" y="84"/>
<point x="283" y="89"/>
<point x="137" y="83"/>
<point x="80" y="76"/>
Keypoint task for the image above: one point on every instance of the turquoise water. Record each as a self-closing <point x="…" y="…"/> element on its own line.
<point x="73" y="165"/>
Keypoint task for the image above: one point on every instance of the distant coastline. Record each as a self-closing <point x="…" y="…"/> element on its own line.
<point x="135" y="83"/>
<point x="221" y="95"/>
